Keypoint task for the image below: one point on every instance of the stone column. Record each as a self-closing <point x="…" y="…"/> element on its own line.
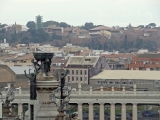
<point x="1" y="110"/>
<point x="123" y="111"/>
<point x="9" y="85"/>
<point x="112" y="111"/>
<point x="134" y="112"/>
<point x="80" y="111"/>
<point x="101" y="111"/>
<point x="20" y="110"/>
<point x="90" y="111"/>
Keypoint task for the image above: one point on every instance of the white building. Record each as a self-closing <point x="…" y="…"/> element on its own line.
<point x="142" y="51"/>
<point x="4" y="45"/>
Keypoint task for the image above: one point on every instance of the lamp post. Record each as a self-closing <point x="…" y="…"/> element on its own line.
<point x="61" y="96"/>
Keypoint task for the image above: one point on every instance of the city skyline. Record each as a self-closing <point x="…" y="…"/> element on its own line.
<point x="74" y="12"/>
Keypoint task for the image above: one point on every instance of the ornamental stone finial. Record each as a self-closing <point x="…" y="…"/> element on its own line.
<point x="112" y="89"/>
<point x="79" y="86"/>
<point x="134" y="86"/>
<point x="101" y="88"/>
<point x="123" y="88"/>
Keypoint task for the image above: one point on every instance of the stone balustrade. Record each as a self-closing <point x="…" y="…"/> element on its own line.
<point x="102" y="97"/>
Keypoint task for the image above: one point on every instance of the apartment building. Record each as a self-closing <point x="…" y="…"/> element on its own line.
<point x="144" y="62"/>
<point x="81" y="68"/>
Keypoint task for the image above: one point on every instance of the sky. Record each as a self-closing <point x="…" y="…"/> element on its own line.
<point x="78" y="12"/>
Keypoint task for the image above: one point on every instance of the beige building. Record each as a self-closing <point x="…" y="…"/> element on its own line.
<point x="100" y="30"/>
<point x="144" y="80"/>
<point x="81" y="68"/>
<point x="53" y="29"/>
<point x="71" y="48"/>
<point x="14" y="60"/>
<point x="9" y="77"/>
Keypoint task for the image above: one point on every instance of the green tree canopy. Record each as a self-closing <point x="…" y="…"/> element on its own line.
<point x="31" y="25"/>
<point x="152" y="24"/>
<point x="48" y="23"/>
<point x="63" y="24"/>
<point x="89" y="25"/>
<point x="2" y="25"/>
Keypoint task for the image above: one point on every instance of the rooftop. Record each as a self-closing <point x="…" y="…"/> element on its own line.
<point x="118" y="55"/>
<point x="151" y="55"/>
<point x="101" y="28"/>
<point x="128" y="74"/>
<point x="82" y="60"/>
<point x="21" y="69"/>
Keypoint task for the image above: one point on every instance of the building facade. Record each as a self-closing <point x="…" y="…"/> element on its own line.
<point x="144" y="80"/>
<point x="144" y="62"/>
<point x="39" y="20"/>
<point x="81" y="68"/>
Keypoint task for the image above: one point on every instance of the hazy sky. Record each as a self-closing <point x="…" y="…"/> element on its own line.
<point x="77" y="12"/>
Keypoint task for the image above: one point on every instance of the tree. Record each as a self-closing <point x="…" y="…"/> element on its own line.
<point x="88" y="26"/>
<point x="31" y="25"/>
<point x="141" y="26"/>
<point x="48" y="23"/>
<point x="2" y="25"/>
<point x="152" y="24"/>
<point x="63" y="24"/>
<point x="38" y="36"/>
<point x="56" y="37"/>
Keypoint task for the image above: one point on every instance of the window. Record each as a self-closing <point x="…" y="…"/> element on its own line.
<point x="81" y="78"/>
<point x="76" y="78"/>
<point x="116" y="82"/>
<point x="81" y="72"/>
<point x="124" y="83"/>
<point x="85" y="78"/>
<point x="72" y="72"/>
<point x="110" y="82"/>
<point x="72" y="78"/>
<point x="76" y="72"/>
<point x="87" y="59"/>
<point x="130" y="82"/>
<point x="68" y="78"/>
<point x="85" y="72"/>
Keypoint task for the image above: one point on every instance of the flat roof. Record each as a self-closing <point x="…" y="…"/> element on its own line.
<point x="128" y="74"/>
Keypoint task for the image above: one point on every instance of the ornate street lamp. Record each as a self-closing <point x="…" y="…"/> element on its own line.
<point x="61" y="96"/>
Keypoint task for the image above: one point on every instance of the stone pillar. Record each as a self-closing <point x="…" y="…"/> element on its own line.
<point x="123" y="111"/>
<point x="80" y="111"/>
<point x="90" y="90"/>
<point x="112" y="111"/>
<point x="101" y="90"/>
<point x="20" y="90"/>
<point x="101" y="111"/>
<point x="112" y="90"/>
<point x="1" y="109"/>
<point x="9" y="85"/>
<point x="90" y="111"/>
<point x="134" y="89"/>
<point x="123" y="90"/>
<point x="134" y="112"/>
<point x="79" y="89"/>
<point x="20" y="110"/>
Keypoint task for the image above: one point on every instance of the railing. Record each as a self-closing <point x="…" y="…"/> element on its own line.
<point x="124" y="93"/>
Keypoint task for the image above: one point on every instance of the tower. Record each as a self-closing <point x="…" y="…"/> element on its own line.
<point x="39" y="20"/>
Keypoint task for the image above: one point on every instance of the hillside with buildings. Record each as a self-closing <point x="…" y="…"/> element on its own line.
<point x="123" y="39"/>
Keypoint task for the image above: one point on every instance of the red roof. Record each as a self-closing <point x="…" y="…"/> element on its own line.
<point x="118" y="55"/>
